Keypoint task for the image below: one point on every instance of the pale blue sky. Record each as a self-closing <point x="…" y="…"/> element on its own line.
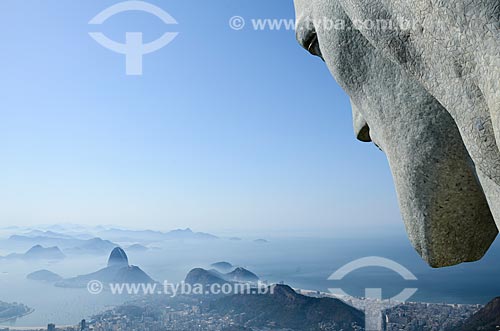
<point x="226" y="131"/>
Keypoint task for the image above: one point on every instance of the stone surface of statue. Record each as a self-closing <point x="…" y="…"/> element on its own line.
<point x="428" y="95"/>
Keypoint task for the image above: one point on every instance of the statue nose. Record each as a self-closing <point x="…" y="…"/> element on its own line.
<point x="361" y="127"/>
<point x="363" y="134"/>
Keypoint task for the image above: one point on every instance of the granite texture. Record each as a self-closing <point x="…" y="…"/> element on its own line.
<point x="427" y="99"/>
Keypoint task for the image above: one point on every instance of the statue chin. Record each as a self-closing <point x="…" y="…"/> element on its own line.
<point x="445" y="211"/>
<point x="444" y="172"/>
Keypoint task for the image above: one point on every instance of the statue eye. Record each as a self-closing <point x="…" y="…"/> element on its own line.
<point x="313" y="46"/>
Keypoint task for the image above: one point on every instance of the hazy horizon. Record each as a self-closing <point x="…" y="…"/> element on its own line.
<point x="181" y="145"/>
<point x="380" y="232"/>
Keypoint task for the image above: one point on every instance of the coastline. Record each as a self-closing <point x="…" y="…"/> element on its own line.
<point x="4" y="320"/>
<point x="356" y="302"/>
<point x="33" y="328"/>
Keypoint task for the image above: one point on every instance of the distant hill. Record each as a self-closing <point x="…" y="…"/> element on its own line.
<point x="38" y="252"/>
<point x="113" y="275"/>
<point x="117" y="271"/>
<point x="95" y="241"/>
<point x="132" y="275"/>
<point x="286" y="309"/>
<point x="487" y="319"/>
<point x="149" y="236"/>
<point x="261" y="241"/>
<point x="44" y="276"/>
<point x="242" y="275"/>
<point x="218" y="273"/>
<point x="47" y="234"/>
<point x="123" y="235"/>
<point x="118" y="257"/>
<point x="94" y="246"/>
<point x="222" y="266"/>
<point x="11" y="311"/>
<point x="188" y="234"/>
<point x="137" y="248"/>
<point x="16" y="241"/>
<point x="214" y="276"/>
<point x="204" y="277"/>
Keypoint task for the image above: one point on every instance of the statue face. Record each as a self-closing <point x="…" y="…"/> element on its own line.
<point x="443" y="206"/>
<point x="453" y="49"/>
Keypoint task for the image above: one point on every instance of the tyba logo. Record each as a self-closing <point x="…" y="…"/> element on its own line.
<point x="134" y="48"/>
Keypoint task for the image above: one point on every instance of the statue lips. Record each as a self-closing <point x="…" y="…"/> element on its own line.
<point x="445" y="211"/>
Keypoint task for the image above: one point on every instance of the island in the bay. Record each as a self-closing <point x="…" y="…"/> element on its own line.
<point x="12" y="311"/>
